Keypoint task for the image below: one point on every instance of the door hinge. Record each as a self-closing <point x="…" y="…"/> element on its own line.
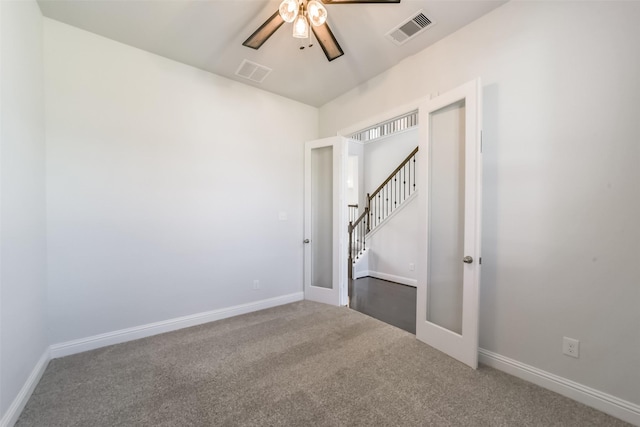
<point x="480" y="261"/>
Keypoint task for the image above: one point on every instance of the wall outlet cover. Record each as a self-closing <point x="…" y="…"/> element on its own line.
<point x="571" y="347"/>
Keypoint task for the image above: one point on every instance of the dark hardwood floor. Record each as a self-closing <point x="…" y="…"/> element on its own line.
<point x="390" y="302"/>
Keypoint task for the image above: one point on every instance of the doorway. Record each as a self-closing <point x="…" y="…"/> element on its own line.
<point x="448" y="230"/>
<point x="325" y="265"/>
<point x="450" y="207"/>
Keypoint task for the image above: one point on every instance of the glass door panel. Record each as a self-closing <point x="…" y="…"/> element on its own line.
<point x="325" y="221"/>
<point x="450" y="208"/>
<point x="446" y="217"/>
<point x="322" y="217"/>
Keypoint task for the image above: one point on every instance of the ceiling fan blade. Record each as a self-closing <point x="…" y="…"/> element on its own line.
<point x="265" y="31"/>
<point x="327" y="41"/>
<point x="358" y="1"/>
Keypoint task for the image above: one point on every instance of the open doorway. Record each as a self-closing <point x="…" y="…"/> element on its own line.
<point x="382" y="189"/>
<point x="450" y="172"/>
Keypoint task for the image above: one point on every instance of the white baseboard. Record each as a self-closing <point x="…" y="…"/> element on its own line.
<point x="392" y="278"/>
<point x="626" y="411"/>
<point x="13" y="413"/>
<point x="361" y="265"/>
<point x="10" y="417"/>
<point x="143" y="331"/>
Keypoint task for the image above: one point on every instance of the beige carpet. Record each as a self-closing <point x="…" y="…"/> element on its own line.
<point x="302" y="364"/>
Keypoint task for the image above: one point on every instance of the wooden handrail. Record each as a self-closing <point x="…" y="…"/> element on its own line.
<point x="353" y="226"/>
<point x="359" y="220"/>
<point x="393" y="195"/>
<point x="404" y="162"/>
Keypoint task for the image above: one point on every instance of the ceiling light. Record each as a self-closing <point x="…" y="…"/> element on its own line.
<point x="288" y="10"/>
<point x="301" y="26"/>
<point x="303" y="15"/>
<point x="317" y="13"/>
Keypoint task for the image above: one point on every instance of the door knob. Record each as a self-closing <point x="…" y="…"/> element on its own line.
<point x="306" y="241"/>
<point x="467" y="260"/>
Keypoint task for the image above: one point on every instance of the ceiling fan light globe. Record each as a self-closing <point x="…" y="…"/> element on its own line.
<point x="317" y="13"/>
<point x="288" y="10"/>
<point x="300" y="27"/>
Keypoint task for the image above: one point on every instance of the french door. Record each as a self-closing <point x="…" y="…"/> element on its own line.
<point x="450" y="207"/>
<point x="325" y="221"/>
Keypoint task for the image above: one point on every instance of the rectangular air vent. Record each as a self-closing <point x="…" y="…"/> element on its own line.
<point x="252" y="71"/>
<point x="410" y="28"/>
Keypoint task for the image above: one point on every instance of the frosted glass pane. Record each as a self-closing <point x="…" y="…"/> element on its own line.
<point x="446" y="218"/>
<point x="322" y="217"/>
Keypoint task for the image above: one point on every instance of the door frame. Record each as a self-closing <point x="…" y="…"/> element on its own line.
<point x="463" y="347"/>
<point x="338" y="294"/>
<point x="473" y="127"/>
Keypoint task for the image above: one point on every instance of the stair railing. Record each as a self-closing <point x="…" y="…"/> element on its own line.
<point x="394" y="190"/>
<point x="353" y="212"/>
<point x="357" y="238"/>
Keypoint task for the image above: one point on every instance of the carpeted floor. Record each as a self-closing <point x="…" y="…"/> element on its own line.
<point x="301" y="364"/>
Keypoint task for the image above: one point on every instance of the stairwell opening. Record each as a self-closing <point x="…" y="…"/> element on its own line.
<point x="382" y="235"/>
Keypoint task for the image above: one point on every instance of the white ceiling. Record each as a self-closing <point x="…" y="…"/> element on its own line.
<point x="208" y="34"/>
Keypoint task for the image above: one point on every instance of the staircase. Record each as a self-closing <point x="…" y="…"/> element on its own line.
<point x="389" y="196"/>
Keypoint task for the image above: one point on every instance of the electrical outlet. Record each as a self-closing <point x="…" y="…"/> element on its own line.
<point x="412" y="266"/>
<point x="571" y="347"/>
<point x="256" y="285"/>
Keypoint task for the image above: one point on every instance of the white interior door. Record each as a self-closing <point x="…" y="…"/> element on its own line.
<point x="325" y="225"/>
<point x="450" y="208"/>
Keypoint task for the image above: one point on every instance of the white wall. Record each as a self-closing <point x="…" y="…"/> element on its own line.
<point x="22" y="215"/>
<point x="561" y="169"/>
<point x="352" y="194"/>
<point x="382" y="156"/>
<point x="356" y="150"/>
<point x="165" y="185"/>
<point x="393" y="245"/>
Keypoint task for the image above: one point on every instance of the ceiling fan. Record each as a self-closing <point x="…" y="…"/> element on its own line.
<point x="304" y="14"/>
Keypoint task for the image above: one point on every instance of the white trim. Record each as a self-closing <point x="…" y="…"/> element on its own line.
<point x="387" y="128"/>
<point x="382" y="138"/>
<point x="361" y="264"/>
<point x="142" y="331"/>
<point x="622" y="409"/>
<point x="338" y="294"/>
<point x="390" y="277"/>
<point x="464" y="346"/>
<point x="379" y="118"/>
<point x="619" y="408"/>
<point x="360" y="274"/>
<point x="13" y="413"/>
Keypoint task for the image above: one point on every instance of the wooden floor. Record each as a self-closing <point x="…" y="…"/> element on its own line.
<point x="390" y="302"/>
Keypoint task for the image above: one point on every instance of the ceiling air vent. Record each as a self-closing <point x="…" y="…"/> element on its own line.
<point x="252" y="71"/>
<point x="410" y="28"/>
